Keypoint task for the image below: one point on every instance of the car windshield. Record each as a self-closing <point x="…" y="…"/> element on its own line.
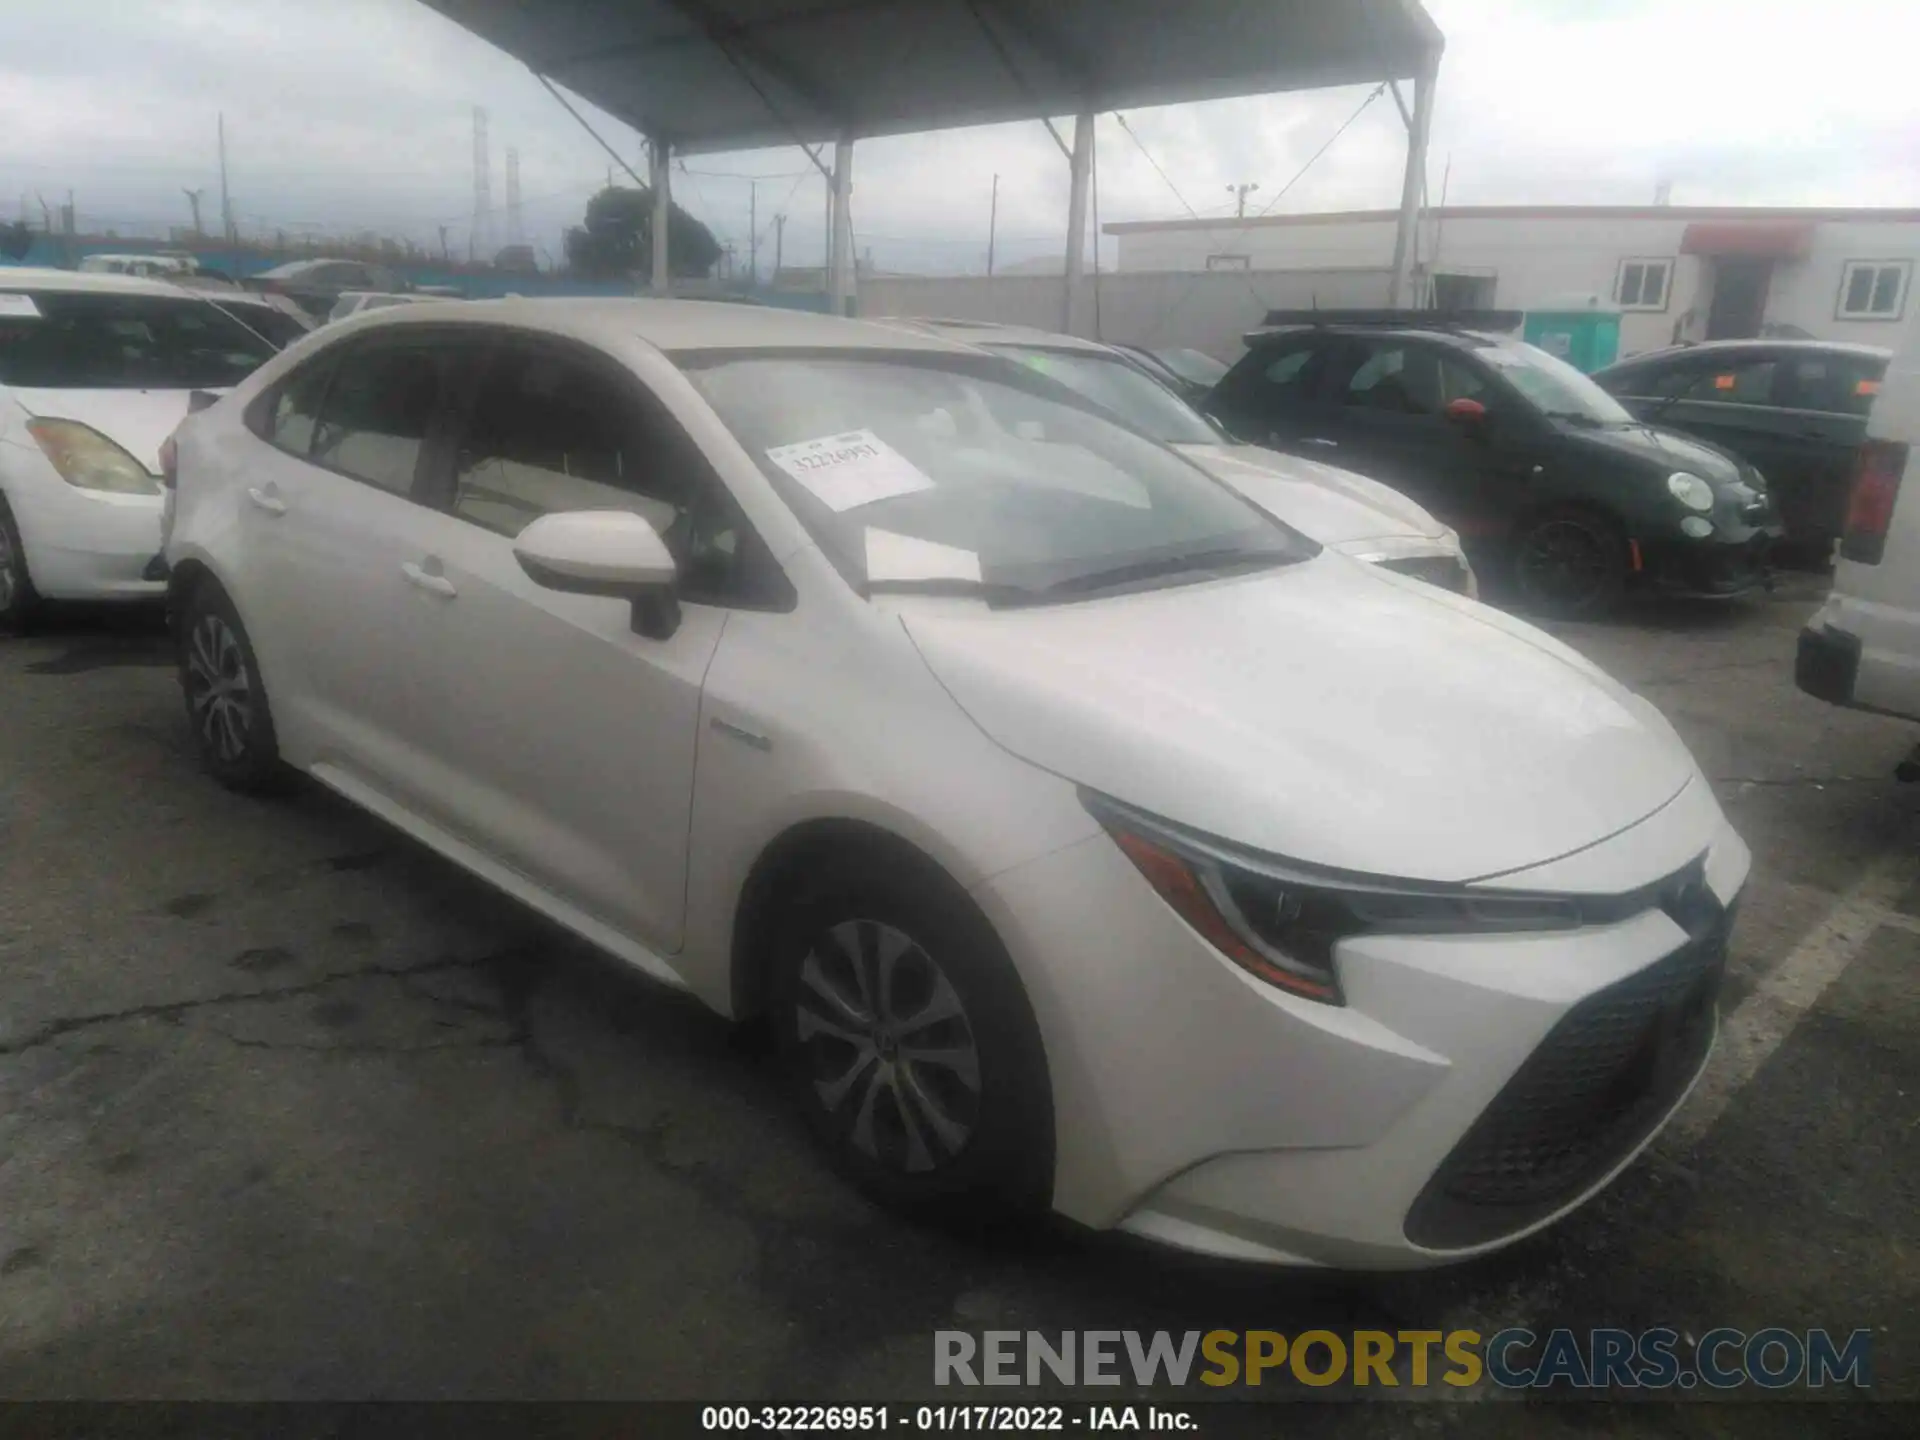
<point x="959" y="473"/>
<point x="78" y="341"/>
<point x="1118" y="387"/>
<point x="1555" y="386"/>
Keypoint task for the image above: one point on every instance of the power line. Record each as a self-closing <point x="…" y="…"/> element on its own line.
<point x="1279" y="194"/>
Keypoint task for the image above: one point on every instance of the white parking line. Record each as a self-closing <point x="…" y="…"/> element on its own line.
<point x="1760" y="1022"/>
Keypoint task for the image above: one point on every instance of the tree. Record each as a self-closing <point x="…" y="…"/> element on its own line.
<point x="617" y="238"/>
<point x="16" y="240"/>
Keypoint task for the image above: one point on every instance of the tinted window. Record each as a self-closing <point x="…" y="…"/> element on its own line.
<point x="296" y="409"/>
<point x="1662" y="382"/>
<point x="1407" y="379"/>
<point x="124" y="342"/>
<point x="551" y="434"/>
<point x="1743" y="382"/>
<point x="375" y="416"/>
<point x="1837" y="384"/>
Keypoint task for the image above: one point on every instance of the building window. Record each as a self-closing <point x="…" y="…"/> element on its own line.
<point x="1643" y="284"/>
<point x="1229" y="262"/>
<point x="1874" y="289"/>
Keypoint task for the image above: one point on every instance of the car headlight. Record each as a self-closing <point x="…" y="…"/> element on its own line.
<point x="88" y="460"/>
<point x="1690" y="490"/>
<point x="1279" y="921"/>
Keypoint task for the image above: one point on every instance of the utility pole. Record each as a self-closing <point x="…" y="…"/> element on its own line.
<point x="443" y="246"/>
<point x="480" y="237"/>
<point x="779" y="245"/>
<point x="753" y="234"/>
<point x="993" y="223"/>
<point x="515" y="235"/>
<point x="226" y="199"/>
<point x="1240" y="193"/>
<point x="193" y="199"/>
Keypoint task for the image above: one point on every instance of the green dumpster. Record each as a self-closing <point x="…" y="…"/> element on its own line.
<point x="1587" y="336"/>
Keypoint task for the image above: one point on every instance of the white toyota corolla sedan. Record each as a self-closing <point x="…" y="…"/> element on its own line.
<point x="1088" y="838"/>
<point x="95" y="371"/>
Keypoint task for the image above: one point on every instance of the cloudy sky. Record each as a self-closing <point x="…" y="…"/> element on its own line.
<point x="356" y="115"/>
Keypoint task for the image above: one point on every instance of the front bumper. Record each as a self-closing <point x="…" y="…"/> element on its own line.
<point x="1709" y="567"/>
<point x="86" y="544"/>
<point x="1472" y="1090"/>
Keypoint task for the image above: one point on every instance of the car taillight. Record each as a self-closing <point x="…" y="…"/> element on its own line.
<point x="1877" y="469"/>
<point x="169" y="463"/>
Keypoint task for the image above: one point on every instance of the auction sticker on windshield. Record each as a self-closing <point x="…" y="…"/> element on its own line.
<point x="14" y="306"/>
<point x="852" y="469"/>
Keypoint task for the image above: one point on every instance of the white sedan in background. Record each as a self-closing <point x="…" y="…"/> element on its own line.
<point x="1347" y="512"/>
<point x="1088" y="837"/>
<point x="95" y="372"/>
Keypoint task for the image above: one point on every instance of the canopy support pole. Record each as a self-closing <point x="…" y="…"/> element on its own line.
<point x="1413" y="189"/>
<point x="840" y="283"/>
<point x="1080" y="166"/>
<point x="661" y="154"/>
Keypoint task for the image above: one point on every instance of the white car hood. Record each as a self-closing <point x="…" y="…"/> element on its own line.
<point x="135" y="420"/>
<point x="1325" y="712"/>
<point x="1335" y="507"/>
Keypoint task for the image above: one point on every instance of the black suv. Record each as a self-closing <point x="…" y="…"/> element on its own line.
<point x="1796" y="409"/>
<point x="1549" y="481"/>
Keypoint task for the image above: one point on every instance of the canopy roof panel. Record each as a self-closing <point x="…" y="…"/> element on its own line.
<point x="740" y="74"/>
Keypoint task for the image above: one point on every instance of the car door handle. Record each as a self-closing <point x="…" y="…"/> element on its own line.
<point x="433" y="584"/>
<point x="266" y="500"/>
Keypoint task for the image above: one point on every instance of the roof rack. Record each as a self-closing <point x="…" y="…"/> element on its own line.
<point x="1400" y="319"/>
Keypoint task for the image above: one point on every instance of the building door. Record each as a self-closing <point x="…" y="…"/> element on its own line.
<point x="1739" y="297"/>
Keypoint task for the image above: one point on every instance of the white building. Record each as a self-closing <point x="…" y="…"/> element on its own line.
<point x="1674" y="272"/>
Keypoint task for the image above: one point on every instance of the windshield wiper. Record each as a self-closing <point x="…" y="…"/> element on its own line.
<point x="993" y="592"/>
<point x="1125" y="573"/>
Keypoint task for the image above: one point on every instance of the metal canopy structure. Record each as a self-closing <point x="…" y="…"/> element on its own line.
<point x="699" y="76"/>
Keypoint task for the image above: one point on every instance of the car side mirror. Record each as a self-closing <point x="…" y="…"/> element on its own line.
<point x="604" y="552"/>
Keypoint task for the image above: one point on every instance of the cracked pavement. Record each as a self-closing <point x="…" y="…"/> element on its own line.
<point x="291" y="1109"/>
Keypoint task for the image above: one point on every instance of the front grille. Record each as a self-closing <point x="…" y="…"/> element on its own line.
<point x="1442" y="570"/>
<point x="1592" y="1091"/>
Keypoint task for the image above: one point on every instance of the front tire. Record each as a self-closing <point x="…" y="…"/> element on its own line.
<point x="226" y="702"/>
<point x="910" y="1045"/>
<point x="19" y="601"/>
<point x="1571" y="564"/>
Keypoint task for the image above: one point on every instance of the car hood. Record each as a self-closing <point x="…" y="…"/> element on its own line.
<point x="1663" y="449"/>
<point x="135" y="420"/>
<point x="1335" y="507"/>
<point x="1325" y="712"/>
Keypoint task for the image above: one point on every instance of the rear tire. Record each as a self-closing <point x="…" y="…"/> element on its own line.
<point x="226" y="702"/>
<point x="1571" y="564"/>
<point x="19" y="601"/>
<point x="909" y="1042"/>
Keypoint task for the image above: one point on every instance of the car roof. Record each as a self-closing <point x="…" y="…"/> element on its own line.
<point x="990" y="333"/>
<point x="300" y="267"/>
<point x="1749" y="347"/>
<point x="47" y="280"/>
<point x="666" y="324"/>
<point x="1443" y="335"/>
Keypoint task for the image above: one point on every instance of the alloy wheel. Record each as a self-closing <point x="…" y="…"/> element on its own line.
<point x="219" y="688"/>
<point x="1565" y="563"/>
<point x="887" y="1045"/>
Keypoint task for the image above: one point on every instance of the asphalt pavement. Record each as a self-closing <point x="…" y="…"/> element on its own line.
<point x="291" y="1109"/>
